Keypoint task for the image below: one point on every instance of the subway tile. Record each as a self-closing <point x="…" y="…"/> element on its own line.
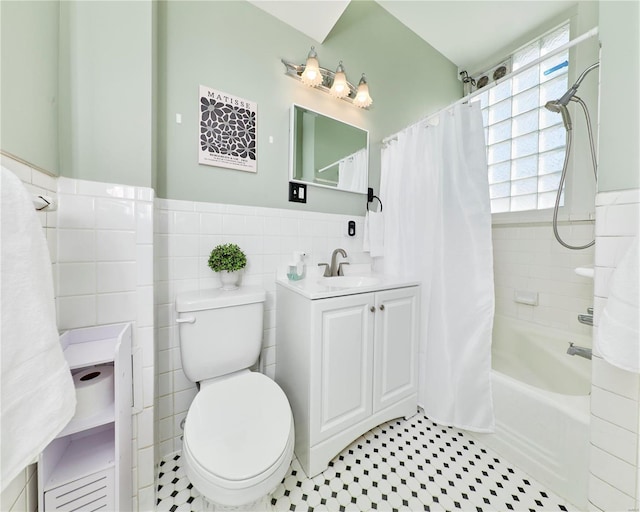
<point x="144" y="309"/>
<point x="145" y="340"/>
<point x="182" y="399"/>
<point x="614" y="439"/>
<point x="184" y="223"/>
<point x="233" y="224"/>
<point x="618" y="197"/>
<point x="161" y="221"/>
<point x="616" y="380"/>
<point x="184" y="268"/>
<point x="115" y="214"/>
<point x="144" y="222"/>
<point x="609" y="250"/>
<point x="116" y="307"/>
<point x="145" y="467"/>
<point x="116" y="276"/>
<point x="180" y="381"/>
<point x="183" y="245"/>
<point x="75" y="211"/>
<point x="76" y="279"/>
<point x="165" y="406"/>
<point x="145" y="194"/>
<point x="620" y="220"/>
<point x="144" y="265"/>
<point x="165" y="384"/>
<point x="210" y="223"/>
<point x="145" y="427"/>
<point x="67" y="185"/>
<point x="165" y="448"/>
<point x="148" y="388"/>
<point x="616" y="472"/>
<point x="165" y="428"/>
<point x="76" y="311"/>
<point x="115" y="245"/>
<point x="614" y="408"/>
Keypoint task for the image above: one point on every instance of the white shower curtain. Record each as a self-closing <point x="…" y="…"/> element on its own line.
<point x="435" y="192"/>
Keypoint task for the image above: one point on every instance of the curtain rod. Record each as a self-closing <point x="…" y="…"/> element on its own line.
<point x="583" y="37"/>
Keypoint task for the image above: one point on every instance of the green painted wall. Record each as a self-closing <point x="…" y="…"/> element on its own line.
<point x="107" y="91"/>
<point x="236" y="48"/>
<point x="619" y="102"/>
<point x="29" y="81"/>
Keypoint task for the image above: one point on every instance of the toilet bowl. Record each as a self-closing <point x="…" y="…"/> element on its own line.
<point x="238" y="434"/>
<point x="238" y="439"/>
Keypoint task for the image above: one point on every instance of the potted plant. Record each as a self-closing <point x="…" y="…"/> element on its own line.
<point x="228" y="259"/>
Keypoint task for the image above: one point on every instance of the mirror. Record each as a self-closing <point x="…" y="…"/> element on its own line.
<point x="326" y="152"/>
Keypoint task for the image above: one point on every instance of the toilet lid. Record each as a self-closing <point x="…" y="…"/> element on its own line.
<point x="238" y="427"/>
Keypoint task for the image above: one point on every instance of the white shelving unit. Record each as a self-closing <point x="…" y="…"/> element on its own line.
<point x="88" y="466"/>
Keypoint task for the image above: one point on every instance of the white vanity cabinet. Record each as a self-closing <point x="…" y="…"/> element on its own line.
<point x="88" y="465"/>
<point x="347" y="364"/>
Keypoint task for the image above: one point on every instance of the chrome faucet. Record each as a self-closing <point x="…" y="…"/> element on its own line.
<point x="575" y="350"/>
<point x="335" y="269"/>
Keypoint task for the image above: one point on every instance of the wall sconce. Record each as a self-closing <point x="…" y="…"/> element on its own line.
<point x="333" y="83"/>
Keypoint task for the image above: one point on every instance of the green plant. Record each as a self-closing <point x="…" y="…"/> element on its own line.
<point x="227" y="257"/>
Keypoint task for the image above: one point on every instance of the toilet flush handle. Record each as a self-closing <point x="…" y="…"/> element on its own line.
<point x="186" y="320"/>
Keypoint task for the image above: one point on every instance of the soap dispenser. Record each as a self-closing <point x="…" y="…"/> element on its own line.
<point x="296" y="268"/>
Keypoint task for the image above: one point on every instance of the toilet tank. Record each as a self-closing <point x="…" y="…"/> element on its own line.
<point x="220" y="330"/>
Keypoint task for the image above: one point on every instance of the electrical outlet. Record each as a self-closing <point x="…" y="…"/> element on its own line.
<point x="297" y="192"/>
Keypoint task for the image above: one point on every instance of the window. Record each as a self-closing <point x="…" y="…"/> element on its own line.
<point x="526" y="142"/>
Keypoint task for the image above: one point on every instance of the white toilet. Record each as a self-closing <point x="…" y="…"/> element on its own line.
<point x="238" y="435"/>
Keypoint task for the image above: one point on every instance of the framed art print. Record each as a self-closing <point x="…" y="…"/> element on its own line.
<point x="228" y="131"/>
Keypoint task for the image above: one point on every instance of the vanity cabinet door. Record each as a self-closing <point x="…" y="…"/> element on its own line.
<point x="396" y="346"/>
<point x="342" y="349"/>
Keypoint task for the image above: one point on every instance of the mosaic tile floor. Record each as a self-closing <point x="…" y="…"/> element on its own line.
<point x="402" y="465"/>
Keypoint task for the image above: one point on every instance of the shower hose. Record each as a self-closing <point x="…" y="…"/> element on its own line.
<point x="569" y="140"/>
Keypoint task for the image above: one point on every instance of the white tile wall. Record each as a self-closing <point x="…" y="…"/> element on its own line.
<point x="527" y="257"/>
<point x="101" y="245"/>
<point x="615" y="395"/>
<point x="21" y="495"/>
<point x="185" y="234"/>
<point x="105" y="275"/>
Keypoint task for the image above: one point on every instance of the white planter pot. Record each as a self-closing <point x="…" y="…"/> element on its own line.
<point x="229" y="279"/>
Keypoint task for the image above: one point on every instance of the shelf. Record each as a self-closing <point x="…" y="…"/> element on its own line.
<point x="90" y="353"/>
<point x="83" y="456"/>
<point x="101" y="418"/>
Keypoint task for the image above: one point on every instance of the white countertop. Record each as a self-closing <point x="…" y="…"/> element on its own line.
<point x="313" y="287"/>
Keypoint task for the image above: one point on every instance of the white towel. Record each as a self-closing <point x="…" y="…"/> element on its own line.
<point x="373" y="237"/>
<point x="619" y="329"/>
<point x="37" y="396"/>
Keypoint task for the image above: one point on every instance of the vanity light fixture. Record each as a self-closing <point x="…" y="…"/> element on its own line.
<point x="339" y="88"/>
<point x="333" y="83"/>
<point x="362" y="99"/>
<point x="311" y="75"/>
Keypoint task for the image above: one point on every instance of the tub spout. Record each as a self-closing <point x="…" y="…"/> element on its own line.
<point x="575" y="350"/>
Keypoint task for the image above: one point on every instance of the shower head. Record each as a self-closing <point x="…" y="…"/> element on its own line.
<point x="557" y="107"/>
<point x="566" y="97"/>
<point x="560" y="105"/>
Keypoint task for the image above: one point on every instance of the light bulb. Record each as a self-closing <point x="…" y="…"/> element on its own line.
<point x="311" y="75"/>
<point x="339" y="89"/>
<point x="362" y="99"/>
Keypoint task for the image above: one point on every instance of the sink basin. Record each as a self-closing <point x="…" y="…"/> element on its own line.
<point x="349" y="281"/>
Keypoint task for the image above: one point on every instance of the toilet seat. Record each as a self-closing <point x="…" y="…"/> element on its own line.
<point x="238" y="435"/>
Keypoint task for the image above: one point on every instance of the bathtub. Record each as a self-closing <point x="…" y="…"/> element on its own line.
<point x="541" y="405"/>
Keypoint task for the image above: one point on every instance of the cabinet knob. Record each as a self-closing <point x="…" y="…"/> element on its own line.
<point x="372" y="309"/>
<point x="381" y="307"/>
